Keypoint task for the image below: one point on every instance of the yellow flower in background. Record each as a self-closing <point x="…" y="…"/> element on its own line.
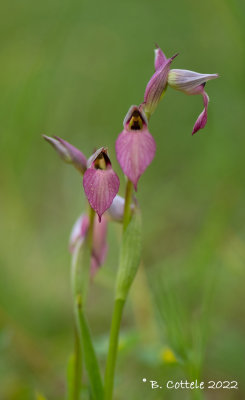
<point x="167" y="356"/>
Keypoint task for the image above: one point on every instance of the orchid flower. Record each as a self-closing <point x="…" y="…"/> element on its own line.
<point x="135" y="147"/>
<point x="100" y="182"/>
<point x="81" y="226"/>
<point x="79" y="233"/>
<point x="188" y="82"/>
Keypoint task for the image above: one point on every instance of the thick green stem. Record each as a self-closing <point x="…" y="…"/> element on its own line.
<point x="81" y="262"/>
<point x="127" y="206"/>
<point x="112" y="354"/>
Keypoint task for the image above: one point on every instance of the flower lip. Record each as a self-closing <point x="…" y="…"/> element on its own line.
<point x="135" y="118"/>
<point x="100" y="182"/>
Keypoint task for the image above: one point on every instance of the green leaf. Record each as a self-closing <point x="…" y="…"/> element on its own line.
<point x="81" y="270"/>
<point x="70" y="376"/>
<point x="130" y="255"/>
<point x="90" y="359"/>
<point x="74" y="374"/>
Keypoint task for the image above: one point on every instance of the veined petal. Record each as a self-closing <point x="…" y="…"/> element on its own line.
<point x="160" y="58"/>
<point x="99" y="245"/>
<point x="135" y="150"/>
<point x="156" y="87"/>
<point x="100" y="186"/>
<point x="186" y="81"/>
<point x="202" y="119"/>
<point x="68" y="153"/>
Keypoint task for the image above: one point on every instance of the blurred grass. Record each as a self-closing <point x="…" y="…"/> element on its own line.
<point x="73" y="68"/>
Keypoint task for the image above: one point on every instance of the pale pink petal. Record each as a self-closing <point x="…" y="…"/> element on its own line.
<point x="156" y="87"/>
<point x="186" y="81"/>
<point x="116" y="210"/>
<point x="160" y="58"/>
<point x="135" y="151"/>
<point x="100" y="186"/>
<point x="99" y="245"/>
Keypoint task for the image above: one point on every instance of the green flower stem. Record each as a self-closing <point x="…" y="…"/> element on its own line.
<point x="127" y="206"/>
<point x="76" y="375"/>
<point x="112" y="354"/>
<point x="90" y="359"/>
<point x="80" y="280"/>
<point x="117" y="312"/>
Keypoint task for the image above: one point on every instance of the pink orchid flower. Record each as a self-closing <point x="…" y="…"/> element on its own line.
<point x="188" y="82"/>
<point x="135" y="146"/>
<point x="100" y="182"/>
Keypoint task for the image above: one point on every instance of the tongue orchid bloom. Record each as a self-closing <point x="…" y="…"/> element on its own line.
<point x="188" y="82"/>
<point x="100" y="182"/>
<point x="192" y="83"/>
<point x="135" y="147"/>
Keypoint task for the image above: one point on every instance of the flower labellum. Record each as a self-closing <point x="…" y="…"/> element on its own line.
<point x="157" y="85"/>
<point x="191" y="83"/>
<point x="79" y="233"/>
<point x="100" y="182"/>
<point x="135" y="147"/>
<point x="68" y="153"/>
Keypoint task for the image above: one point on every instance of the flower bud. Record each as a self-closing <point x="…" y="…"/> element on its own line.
<point x="157" y="85"/>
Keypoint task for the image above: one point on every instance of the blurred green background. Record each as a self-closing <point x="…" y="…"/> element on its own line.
<point x="72" y="69"/>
